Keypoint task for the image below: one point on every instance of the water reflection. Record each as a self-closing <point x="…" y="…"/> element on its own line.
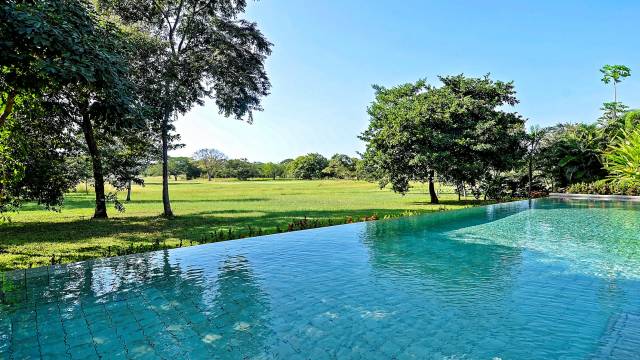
<point x="504" y="281"/>
<point x="140" y="305"/>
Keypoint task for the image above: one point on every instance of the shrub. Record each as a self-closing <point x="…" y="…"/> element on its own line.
<point x="622" y="159"/>
<point x="604" y="187"/>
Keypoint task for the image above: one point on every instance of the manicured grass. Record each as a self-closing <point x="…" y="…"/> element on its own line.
<point x="205" y="211"/>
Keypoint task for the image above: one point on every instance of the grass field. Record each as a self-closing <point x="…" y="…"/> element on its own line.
<point x="205" y="211"/>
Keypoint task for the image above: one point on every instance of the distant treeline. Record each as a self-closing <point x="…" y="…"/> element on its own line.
<point x="211" y="163"/>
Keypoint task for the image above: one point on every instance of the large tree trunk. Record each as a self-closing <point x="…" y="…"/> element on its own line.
<point x="209" y="176"/>
<point x="165" y="164"/>
<point x="96" y="163"/>
<point x="432" y="188"/>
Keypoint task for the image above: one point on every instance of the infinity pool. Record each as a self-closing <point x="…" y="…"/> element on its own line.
<point x="547" y="280"/>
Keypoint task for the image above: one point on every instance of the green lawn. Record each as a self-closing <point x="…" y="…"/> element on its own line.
<point x="205" y="211"/>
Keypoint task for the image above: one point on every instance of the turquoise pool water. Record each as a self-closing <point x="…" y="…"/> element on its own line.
<point x="548" y="280"/>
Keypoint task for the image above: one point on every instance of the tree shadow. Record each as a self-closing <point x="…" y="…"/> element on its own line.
<point x="467" y="202"/>
<point x="88" y="203"/>
<point x="36" y="242"/>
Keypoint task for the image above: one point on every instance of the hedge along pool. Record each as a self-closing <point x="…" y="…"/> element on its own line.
<point x="547" y="279"/>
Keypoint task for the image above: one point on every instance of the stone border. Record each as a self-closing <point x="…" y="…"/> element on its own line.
<point x="594" y="197"/>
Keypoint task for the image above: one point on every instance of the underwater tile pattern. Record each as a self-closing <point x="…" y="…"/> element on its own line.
<point x="550" y="279"/>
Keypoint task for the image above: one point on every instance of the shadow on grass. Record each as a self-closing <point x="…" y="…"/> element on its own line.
<point x="467" y="202"/>
<point x="33" y="243"/>
<point x="81" y="203"/>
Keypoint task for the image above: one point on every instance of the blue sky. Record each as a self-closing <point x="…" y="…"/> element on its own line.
<point x="327" y="54"/>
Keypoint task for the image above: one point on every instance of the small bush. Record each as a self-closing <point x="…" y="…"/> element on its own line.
<point x="604" y="187"/>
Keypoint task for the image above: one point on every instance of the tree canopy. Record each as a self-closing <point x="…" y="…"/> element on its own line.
<point x="211" y="161"/>
<point x="457" y="131"/>
<point x="67" y="71"/>
<point x="308" y="166"/>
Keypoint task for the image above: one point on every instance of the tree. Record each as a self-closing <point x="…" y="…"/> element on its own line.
<point x="614" y="74"/>
<point x="609" y="121"/>
<point x="308" y="166"/>
<point x="241" y="169"/>
<point x="209" y="53"/>
<point x="127" y="156"/>
<point x="340" y="166"/>
<point x="183" y="165"/>
<point x="457" y="132"/>
<point x="211" y="161"/>
<point x="614" y="127"/>
<point x="272" y="170"/>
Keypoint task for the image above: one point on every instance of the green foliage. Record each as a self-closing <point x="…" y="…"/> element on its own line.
<point x="609" y="121"/>
<point x="241" y="169"/>
<point x="614" y="73"/>
<point x="272" y="170"/>
<point x="340" y="166"/>
<point x="33" y="154"/>
<point x="211" y="161"/>
<point x="308" y="166"/>
<point x="622" y="158"/>
<point x="571" y="153"/>
<point x="457" y="130"/>
<point x="614" y="127"/>
<point x="605" y="187"/>
<point x="45" y="45"/>
<point x="76" y="75"/>
<point x="182" y="165"/>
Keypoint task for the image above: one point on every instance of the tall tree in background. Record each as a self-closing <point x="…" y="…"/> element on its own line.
<point x="307" y="166"/>
<point x="208" y="53"/>
<point x="341" y="166"/>
<point x="210" y="160"/>
<point x="614" y="74"/>
<point x="272" y="170"/>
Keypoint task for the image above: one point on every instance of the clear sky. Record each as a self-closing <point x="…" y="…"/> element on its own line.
<point x="327" y="54"/>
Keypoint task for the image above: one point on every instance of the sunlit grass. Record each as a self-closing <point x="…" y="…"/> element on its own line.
<point x="203" y="211"/>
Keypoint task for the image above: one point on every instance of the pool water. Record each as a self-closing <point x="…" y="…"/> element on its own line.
<point x="550" y="279"/>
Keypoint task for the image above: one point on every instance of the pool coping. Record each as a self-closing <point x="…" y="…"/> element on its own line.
<point x="594" y="197"/>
